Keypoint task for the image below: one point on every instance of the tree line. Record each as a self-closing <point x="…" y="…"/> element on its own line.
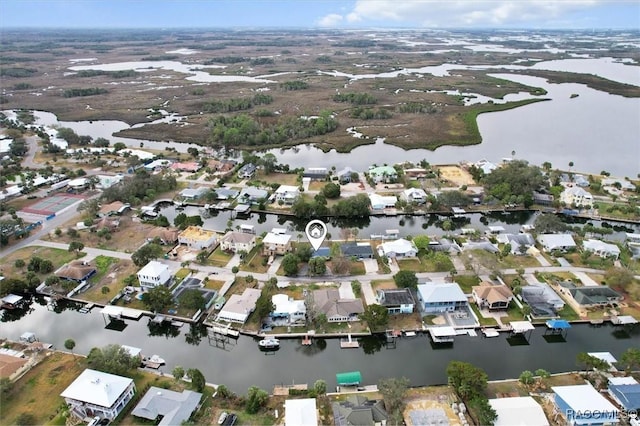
<point x="236" y="104"/>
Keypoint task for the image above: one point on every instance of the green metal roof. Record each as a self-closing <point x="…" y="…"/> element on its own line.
<point x="349" y="379"/>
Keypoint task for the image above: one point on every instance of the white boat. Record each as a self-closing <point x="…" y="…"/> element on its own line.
<point x="269" y="343"/>
<point x="156" y="359"/>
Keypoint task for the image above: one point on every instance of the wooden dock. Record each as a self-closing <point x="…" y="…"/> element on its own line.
<point x="348" y="343"/>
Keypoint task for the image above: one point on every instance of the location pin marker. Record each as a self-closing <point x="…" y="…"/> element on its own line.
<point x="316" y="233"/>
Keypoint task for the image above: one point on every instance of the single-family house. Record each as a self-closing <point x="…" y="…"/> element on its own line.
<point x="551" y="242"/>
<point x="486" y="166"/>
<point x="542" y="199"/>
<point x="77" y="271"/>
<point x="345" y="175"/>
<point x="595" y="296"/>
<point x="287" y="194"/>
<point x="399" y="248"/>
<point x="107" y="181"/>
<point x="578" y="403"/>
<point x="167" y="236"/>
<point x="247" y="171"/>
<point x="316" y="173"/>
<point x="492" y="297"/>
<point x="222" y="167"/>
<point x="385" y="174"/>
<point x="226" y="193"/>
<point x="276" y="242"/>
<point x="167" y="407"/>
<point x="436" y="298"/>
<point x="158" y="164"/>
<point x="251" y="194"/>
<point x="191" y="167"/>
<point x="12" y="301"/>
<point x="10" y="364"/>
<point x="544" y="301"/>
<point x="577" y="196"/>
<point x="300" y="412"/>
<point x="328" y="302"/>
<point x="574" y="179"/>
<point x="624" y="184"/>
<point x="397" y="301"/>
<point x="94" y="393"/>
<point x="358" y="410"/>
<point x="197" y="238"/>
<point x="194" y="193"/>
<point x="414" y="195"/>
<point x="112" y="209"/>
<point x="602" y="249"/>
<point x="381" y="202"/>
<point x="285" y="307"/>
<point x="519" y="243"/>
<point x="239" y="306"/>
<point x="238" y="241"/>
<point x="518" y="411"/>
<point x="625" y="391"/>
<point x="360" y="251"/>
<point x="153" y="274"/>
<point x="415" y="173"/>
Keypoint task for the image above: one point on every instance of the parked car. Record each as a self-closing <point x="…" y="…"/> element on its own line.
<point x="222" y="417"/>
<point x="231" y="420"/>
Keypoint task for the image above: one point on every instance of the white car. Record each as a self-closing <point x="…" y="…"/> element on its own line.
<point x="222" y="417"/>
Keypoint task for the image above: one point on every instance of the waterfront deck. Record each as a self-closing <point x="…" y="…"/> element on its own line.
<point x="442" y="334"/>
<point x="349" y="343"/>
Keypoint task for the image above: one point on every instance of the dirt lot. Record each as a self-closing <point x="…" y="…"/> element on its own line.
<point x="456" y="175"/>
<point x="112" y="278"/>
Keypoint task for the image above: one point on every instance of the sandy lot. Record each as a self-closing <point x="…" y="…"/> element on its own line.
<point x="456" y="175"/>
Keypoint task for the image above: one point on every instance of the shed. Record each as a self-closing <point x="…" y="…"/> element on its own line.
<point x="351" y="378"/>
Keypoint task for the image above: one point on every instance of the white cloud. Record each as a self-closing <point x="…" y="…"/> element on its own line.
<point x="458" y="13"/>
<point x="331" y="20"/>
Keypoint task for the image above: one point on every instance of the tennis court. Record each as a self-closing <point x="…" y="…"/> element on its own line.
<point x="50" y="205"/>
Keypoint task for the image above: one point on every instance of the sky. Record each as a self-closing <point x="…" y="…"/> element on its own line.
<point x="339" y="14"/>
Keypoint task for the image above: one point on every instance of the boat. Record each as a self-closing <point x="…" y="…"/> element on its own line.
<point x="269" y="343"/>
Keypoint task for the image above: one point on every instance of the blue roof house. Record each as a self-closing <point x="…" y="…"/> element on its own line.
<point x="626" y="392"/>
<point x="584" y="405"/>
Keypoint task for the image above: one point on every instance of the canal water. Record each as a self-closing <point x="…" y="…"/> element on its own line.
<point x="240" y="364"/>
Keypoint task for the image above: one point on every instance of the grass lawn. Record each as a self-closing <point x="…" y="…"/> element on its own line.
<point x="37" y="393"/>
<point x="483" y="321"/>
<point x="411" y="265"/>
<point x="181" y="274"/>
<point x="514" y="313"/>
<point x="405" y="322"/>
<point x="466" y="282"/>
<point x="57" y="256"/>
<point x="254" y="262"/>
<point x="220" y="258"/>
<point x="213" y="284"/>
<point x="568" y="313"/>
<point x="436" y="262"/>
<point x="595" y="262"/>
<point x="112" y="278"/>
<point x="357" y="268"/>
<point x="240" y="284"/>
<point x="383" y="284"/>
<point x="280" y="178"/>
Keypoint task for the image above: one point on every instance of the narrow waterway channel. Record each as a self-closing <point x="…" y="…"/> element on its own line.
<point x="240" y="364"/>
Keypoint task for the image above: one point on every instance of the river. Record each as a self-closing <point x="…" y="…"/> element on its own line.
<point x="240" y="364"/>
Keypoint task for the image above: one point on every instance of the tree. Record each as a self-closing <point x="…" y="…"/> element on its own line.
<point x="377" y="316"/>
<point x="516" y="178"/>
<point x="393" y="391"/>
<point x="618" y="277"/>
<point x="256" y="399"/>
<point x="631" y="359"/>
<point x="269" y="162"/>
<point x="146" y="253"/>
<point x="202" y="257"/>
<point x="264" y="305"/>
<point x="69" y="344"/>
<point x="331" y="190"/>
<point x="158" y="298"/>
<point x="320" y="387"/>
<point x="113" y="359"/>
<point x="406" y="279"/>
<point x="192" y="299"/>
<point x="290" y="264"/>
<point x="76" y="246"/>
<point x="421" y="242"/>
<point x="317" y="266"/>
<point x="197" y="379"/>
<point x="526" y="377"/>
<point x="547" y="223"/>
<point x="466" y="379"/>
<point x="485" y="414"/>
<point x="91" y="207"/>
<point x="591" y="362"/>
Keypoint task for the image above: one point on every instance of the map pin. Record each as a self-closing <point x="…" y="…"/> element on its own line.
<point x="316" y="232"/>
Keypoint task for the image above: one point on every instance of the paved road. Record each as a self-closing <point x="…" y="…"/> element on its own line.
<point x="29" y="160"/>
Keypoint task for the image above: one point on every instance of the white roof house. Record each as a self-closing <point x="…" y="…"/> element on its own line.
<point x="239" y="307"/>
<point x="287" y="193"/>
<point x="486" y="166"/>
<point x="300" y="412"/>
<point x="379" y="202"/>
<point x="578" y="404"/>
<point x="276" y="243"/>
<point x="398" y="248"/>
<point x="414" y="195"/>
<point x="576" y="195"/>
<point x="552" y="242"/>
<point x="284" y="306"/>
<point x="601" y="248"/>
<point x="98" y="392"/>
<point x="441" y="297"/>
<point x="153" y="274"/>
<point x="173" y="407"/>
<point x="519" y="411"/>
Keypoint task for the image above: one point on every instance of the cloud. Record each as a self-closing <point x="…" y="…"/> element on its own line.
<point x="459" y="13"/>
<point x="331" y="20"/>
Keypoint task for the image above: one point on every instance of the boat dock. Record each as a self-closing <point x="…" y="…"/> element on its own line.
<point x="442" y="334"/>
<point x="306" y="341"/>
<point x="349" y="343"/>
<point x="86" y="308"/>
<point x="490" y="332"/>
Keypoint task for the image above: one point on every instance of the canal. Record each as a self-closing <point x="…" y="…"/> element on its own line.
<point x="239" y="363"/>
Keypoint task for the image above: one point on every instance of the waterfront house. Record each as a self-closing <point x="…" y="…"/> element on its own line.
<point x="482" y="244"/>
<point x="486" y="166"/>
<point x="316" y="173"/>
<point x="359" y="251"/>
<point x="551" y="242"/>
<point x="197" y="238"/>
<point x="167" y="407"/>
<point x="288" y="309"/>
<point x="194" y="193"/>
<point x="288" y="194"/>
<point x="415" y="173"/>
<point x="602" y="249"/>
<point x="158" y="164"/>
<point x="336" y="309"/>
<point x="247" y="171"/>
<point x="77" y="271"/>
<point x="94" y="393"/>
<point x="12" y="301"/>
<point x="437" y="298"/>
<point x="519" y="243"/>
<point x="251" y="194"/>
<point x="625" y="391"/>
<point x="576" y="196"/>
<point x="397" y="301"/>
<point x="624" y="184"/>
<point x="222" y="167"/>
<point x="153" y="274"/>
<point x="238" y="241"/>
<point x="358" y="410"/>
<point x="300" y="412"/>
<point x="190" y="167"/>
<point x="276" y="242"/>
<point x="239" y="306"/>
<point x="399" y="248"/>
<point x="381" y="202"/>
<point x="542" y="199"/>
<point x="414" y="195"/>
<point x="544" y="301"/>
<point x="578" y="404"/>
<point x="518" y="411"/>
<point x="167" y="236"/>
<point x="385" y="174"/>
<point x="11" y="364"/>
<point x="345" y="175"/>
<point x="226" y="193"/>
<point x="113" y="209"/>
<point x="591" y="297"/>
<point x="491" y="296"/>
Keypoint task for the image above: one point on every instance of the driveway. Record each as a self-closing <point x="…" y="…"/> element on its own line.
<point x="370" y="266"/>
<point x="345" y="290"/>
<point x="368" y="293"/>
<point x="235" y="261"/>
